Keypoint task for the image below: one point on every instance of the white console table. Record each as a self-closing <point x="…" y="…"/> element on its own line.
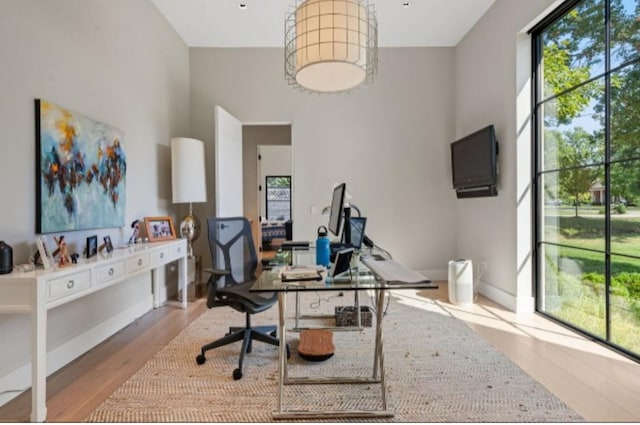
<point x="37" y="291"/>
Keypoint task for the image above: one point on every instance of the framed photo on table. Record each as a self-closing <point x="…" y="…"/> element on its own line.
<point x="45" y="253"/>
<point x="92" y="246"/>
<point x="159" y="228"/>
<point x="108" y="245"/>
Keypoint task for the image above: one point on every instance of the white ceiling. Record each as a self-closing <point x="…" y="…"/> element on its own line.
<point x="221" y="23"/>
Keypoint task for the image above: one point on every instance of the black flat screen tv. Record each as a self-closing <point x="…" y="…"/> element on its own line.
<point x="474" y="160"/>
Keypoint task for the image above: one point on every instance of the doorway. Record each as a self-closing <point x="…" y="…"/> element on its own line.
<point x="267" y="138"/>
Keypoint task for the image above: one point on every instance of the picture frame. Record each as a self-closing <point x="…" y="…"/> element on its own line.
<point x="45" y="253"/>
<point x="108" y="245"/>
<point x="159" y="228"/>
<point x="92" y="246"/>
<point x="81" y="170"/>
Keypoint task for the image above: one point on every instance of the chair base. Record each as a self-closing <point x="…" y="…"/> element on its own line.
<point x="247" y="335"/>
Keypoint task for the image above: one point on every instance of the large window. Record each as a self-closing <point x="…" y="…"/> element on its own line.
<point x="587" y="169"/>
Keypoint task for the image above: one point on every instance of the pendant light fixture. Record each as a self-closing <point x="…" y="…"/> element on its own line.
<point x="331" y="45"/>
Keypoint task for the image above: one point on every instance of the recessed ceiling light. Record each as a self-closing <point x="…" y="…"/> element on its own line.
<point x="405" y="4"/>
<point x="242" y="6"/>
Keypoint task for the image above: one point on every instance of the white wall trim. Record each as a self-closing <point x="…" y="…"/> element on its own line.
<point x="520" y="304"/>
<point x="60" y="356"/>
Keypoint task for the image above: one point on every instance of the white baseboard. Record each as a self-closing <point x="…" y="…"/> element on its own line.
<point x="72" y="349"/>
<point x="509" y="301"/>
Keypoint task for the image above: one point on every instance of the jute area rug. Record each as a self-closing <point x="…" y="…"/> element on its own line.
<point x="437" y="369"/>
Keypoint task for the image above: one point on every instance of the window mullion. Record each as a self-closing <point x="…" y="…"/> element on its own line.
<point x="607" y="166"/>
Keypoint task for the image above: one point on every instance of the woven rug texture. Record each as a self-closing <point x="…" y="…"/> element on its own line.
<point x="437" y="370"/>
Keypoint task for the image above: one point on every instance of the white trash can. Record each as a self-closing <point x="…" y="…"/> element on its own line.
<point x="461" y="282"/>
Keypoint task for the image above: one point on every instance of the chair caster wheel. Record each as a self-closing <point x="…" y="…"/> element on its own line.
<point x="237" y="374"/>
<point x="201" y="359"/>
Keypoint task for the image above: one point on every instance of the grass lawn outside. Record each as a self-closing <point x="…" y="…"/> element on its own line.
<point x="574" y="277"/>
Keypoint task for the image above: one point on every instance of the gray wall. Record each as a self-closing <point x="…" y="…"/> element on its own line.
<point x="388" y="142"/>
<point x="119" y="62"/>
<point x="492" y="86"/>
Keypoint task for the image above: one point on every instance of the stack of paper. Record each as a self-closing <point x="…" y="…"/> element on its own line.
<point x="298" y="273"/>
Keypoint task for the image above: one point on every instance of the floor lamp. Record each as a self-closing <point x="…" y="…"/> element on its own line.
<point x="188" y="183"/>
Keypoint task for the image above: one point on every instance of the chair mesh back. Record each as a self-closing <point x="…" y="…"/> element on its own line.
<point x="232" y="248"/>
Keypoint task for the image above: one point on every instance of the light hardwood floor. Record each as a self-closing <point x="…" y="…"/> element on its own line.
<point x="599" y="384"/>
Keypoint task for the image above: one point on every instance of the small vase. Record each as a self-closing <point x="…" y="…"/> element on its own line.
<point x="6" y="258"/>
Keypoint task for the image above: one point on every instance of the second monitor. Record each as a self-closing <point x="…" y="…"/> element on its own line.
<point x="357" y="225"/>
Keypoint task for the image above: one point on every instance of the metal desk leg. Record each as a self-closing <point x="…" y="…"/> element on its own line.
<point x="282" y="348"/>
<point x="297" y="320"/>
<point x="378" y="367"/>
<point x="379" y="347"/>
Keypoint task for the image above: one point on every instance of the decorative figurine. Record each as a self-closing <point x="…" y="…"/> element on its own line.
<point x="62" y="251"/>
<point x="135" y="225"/>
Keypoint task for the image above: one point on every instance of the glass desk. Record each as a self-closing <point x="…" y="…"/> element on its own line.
<point x="361" y="280"/>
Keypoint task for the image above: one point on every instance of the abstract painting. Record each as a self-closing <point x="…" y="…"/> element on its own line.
<point x="81" y="171"/>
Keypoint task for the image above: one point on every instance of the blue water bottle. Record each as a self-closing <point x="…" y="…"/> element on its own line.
<point x="322" y="247"/>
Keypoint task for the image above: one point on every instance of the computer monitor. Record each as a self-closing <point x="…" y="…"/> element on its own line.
<point x="335" y="219"/>
<point x="357" y="231"/>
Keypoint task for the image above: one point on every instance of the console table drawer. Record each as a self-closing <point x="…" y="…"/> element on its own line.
<point x="161" y="256"/>
<point x="139" y="262"/>
<point x="109" y="272"/>
<point x="178" y="251"/>
<point x="68" y="285"/>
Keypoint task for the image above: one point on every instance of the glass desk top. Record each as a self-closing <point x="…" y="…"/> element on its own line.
<point x="359" y="278"/>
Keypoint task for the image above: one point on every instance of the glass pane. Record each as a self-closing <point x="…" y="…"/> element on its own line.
<point x="279" y="198"/>
<point x="625" y="302"/>
<point x="574" y="128"/>
<point x="573" y="48"/>
<point x="625" y="110"/>
<point x="573" y="214"/>
<point x="625" y="31"/>
<point x="625" y="213"/>
<point x="572" y="287"/>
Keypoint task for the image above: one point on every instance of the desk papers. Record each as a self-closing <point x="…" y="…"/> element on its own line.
<point x="299" y="273"/>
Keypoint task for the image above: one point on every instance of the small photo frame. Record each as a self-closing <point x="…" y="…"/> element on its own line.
<point x="108" y="245"/>
<point x="92" y="246"/>
<point x="45" y="253"/>
<point x="342" y="262"/>
<point x="159" y="228"/>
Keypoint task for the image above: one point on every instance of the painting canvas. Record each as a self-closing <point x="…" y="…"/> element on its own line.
<point x="80" y="172"/>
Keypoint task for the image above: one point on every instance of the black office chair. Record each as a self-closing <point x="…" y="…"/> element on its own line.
<point x="233" y="255"/>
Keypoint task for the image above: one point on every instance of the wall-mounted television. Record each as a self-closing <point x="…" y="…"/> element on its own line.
<point x="474" y="164"/>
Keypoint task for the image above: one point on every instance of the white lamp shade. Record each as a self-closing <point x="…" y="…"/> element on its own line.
<point x="188" y="177"/>
<point x="331" y="45"/>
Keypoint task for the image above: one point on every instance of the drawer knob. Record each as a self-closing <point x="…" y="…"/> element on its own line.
<point x="70" y="284"/>
<point x="139" y="261"/>
<point x="111" y="271"/>
<point x="162" y="255"/>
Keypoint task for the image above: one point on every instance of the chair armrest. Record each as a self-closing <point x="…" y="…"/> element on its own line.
<point x="217" y="273"/>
